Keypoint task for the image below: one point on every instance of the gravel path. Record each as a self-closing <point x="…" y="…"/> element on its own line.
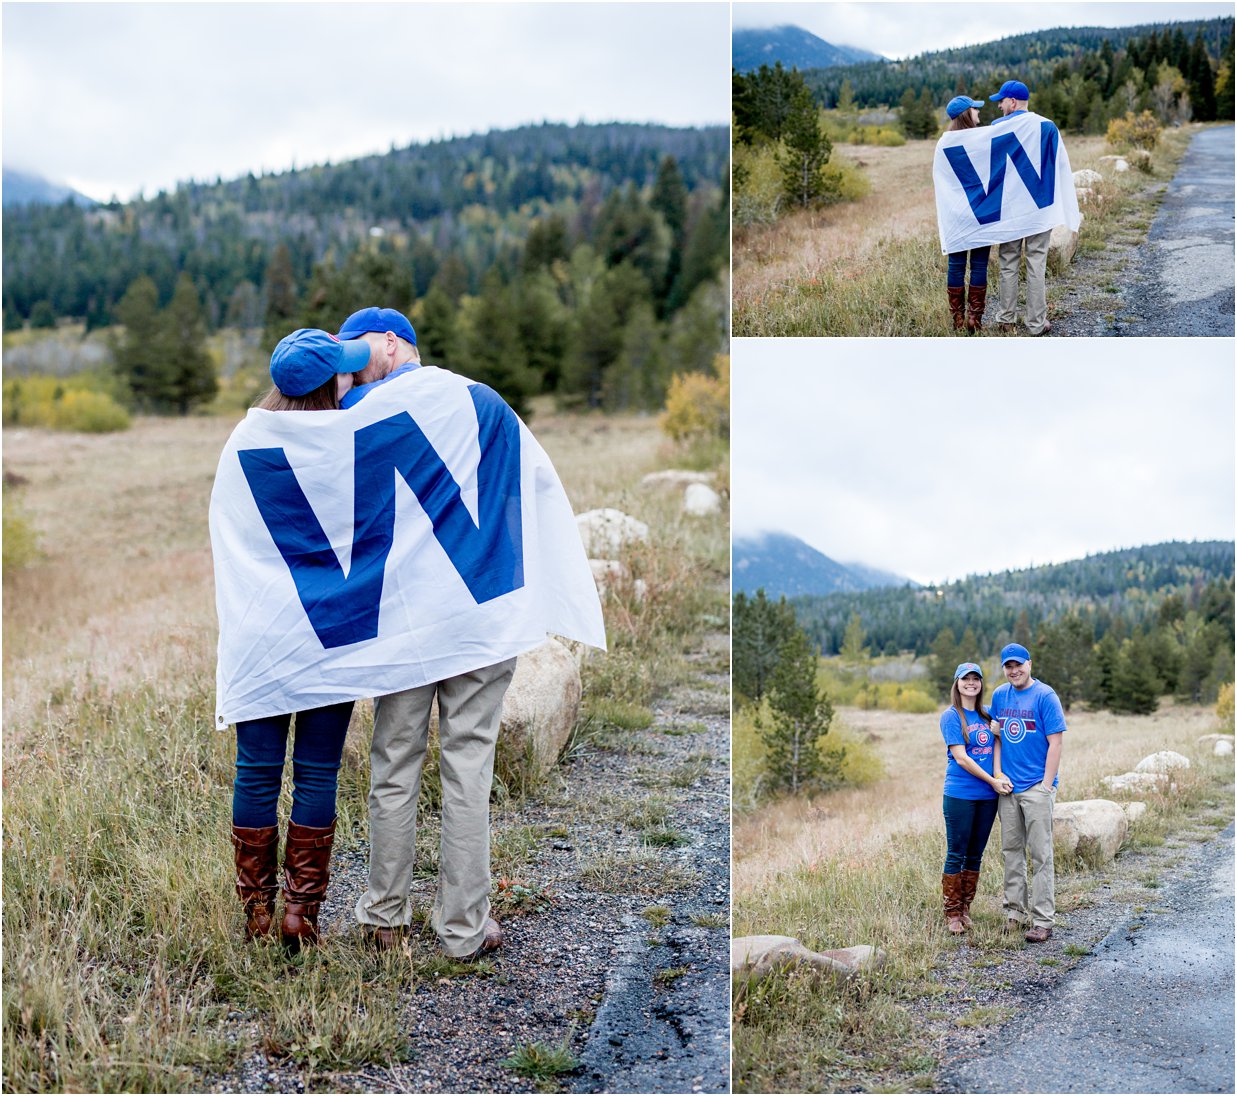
<point x="627" y="966"/>
<point x="1028" y="991"/>
<point x="1151" y="1011"/>
<point x="1180" y="280"/>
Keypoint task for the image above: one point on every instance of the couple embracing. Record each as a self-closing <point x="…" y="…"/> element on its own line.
<point x="1002" y="759"/>
<point x="401" y="536"/>
<point x="1014" y="211"/>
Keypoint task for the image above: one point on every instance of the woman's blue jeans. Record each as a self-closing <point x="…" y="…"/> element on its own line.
<point x="979" y="267"/>
<point x="318" y="745"/>
<point x="968" y="822"/>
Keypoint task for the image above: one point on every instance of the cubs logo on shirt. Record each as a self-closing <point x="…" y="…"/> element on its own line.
<point x="983" y="737"/>
<point x="1015" y="730"/>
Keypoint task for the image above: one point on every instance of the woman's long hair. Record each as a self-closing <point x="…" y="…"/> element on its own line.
<point x="963" y="121"/>
<point x="955" y="699"/>
<point x="323" y="398"/>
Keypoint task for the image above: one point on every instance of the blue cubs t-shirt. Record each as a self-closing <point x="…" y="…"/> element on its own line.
<point x="357" y="394"/>
<point x="1027" y="718"/>
<point x="958" y="782"/>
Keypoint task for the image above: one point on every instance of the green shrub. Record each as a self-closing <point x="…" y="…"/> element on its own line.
<point x="1224" y="705"/>
<point x="84" y="403"/>
<point x="845" y="180"/>
<point x="87" y="413"/>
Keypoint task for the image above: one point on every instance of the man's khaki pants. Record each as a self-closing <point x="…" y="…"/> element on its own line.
<point x="1037" y="294"/>
<point x="1026" y="827"/>
<point x="469" y="712"/>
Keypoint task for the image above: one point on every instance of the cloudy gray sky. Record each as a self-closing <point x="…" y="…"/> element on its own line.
<point x="903" y="30"/>
<point x="877" y="451"/>
<point x="117" y="98"/>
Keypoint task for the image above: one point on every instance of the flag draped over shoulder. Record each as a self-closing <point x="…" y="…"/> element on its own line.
<point x="1002" y="182"/>
<point x="418" y="535"/>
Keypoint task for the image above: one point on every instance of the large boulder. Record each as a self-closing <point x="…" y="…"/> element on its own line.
<point x="607" y="531"/>
<point x="760" y="956"/>
<point x="1061" y="247"/>
<point x="675" y="477"/>
<point x="1166" y="761"/>
<point x="1136" y="782"/>
<point x="700" y="500"/>
<point x="541" y="706"/>
<point x="1091" y="828"/>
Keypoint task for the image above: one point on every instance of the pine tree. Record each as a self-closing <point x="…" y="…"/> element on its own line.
<point x="137" y="352"/>
<point x="187" y="371"/>
<point x="759" y="629"/>
<point x="800" y="715"/>
<point x="1135" y="687"/>
<point x="807" y="151"/>
<point x="944" y="660"/>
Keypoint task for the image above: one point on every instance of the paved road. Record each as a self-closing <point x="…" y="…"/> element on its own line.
<point x="1151" y="1011"/>
<point x="1182" y="281"/>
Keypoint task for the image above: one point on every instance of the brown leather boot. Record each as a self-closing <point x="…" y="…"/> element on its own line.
<point x="306" y="872"/>
<point x="957" y="305"/>
<point x="970" y="883"/>
<point x="951" y="889"/>
<point x="976" y="298"/>
<point x="257" y="876"/>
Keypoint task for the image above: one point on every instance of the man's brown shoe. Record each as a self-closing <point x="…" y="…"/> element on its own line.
<point x="492" y="942"/>
<point x="1038" y="935"/>
<point x="382" y="937"/>
<point x="1045" y="330"/>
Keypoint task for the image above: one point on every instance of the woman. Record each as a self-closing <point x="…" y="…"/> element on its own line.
<point x="311" y="370"/>
<point x="973" y="754"/>
<point x="964" y="114"/>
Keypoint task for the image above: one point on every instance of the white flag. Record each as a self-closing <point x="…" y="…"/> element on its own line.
<point x="1002" y="182"/>
<point x="420" y="534"/>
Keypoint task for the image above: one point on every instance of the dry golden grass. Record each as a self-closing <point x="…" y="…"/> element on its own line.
<point x="124" y="591"/>
<point x="848" y="826"/>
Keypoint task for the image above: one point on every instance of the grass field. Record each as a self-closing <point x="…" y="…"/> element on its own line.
<point x="122" y="964"/>
<point x="862" y="866"/>
<point x="874" y="266"/>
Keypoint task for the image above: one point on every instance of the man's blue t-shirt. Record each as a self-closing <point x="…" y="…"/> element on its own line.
<point x="958" y="782"/>
<point x="355" y="395"/>
<point x="1027" y="718"/>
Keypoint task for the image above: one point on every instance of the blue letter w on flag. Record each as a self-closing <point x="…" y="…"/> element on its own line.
<point x="488" y="554"/>
<point x="986" y="204"/>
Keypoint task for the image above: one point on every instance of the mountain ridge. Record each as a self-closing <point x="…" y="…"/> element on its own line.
<point x="794" y="47"/>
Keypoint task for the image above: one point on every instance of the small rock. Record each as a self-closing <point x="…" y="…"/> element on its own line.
<point x="1134" y="782"/>
<point x="1223" y="748"/>
<point x="1134" y="810"/>
<point x="1086" y="177"/>
<point x="541" y="704"/>
<point x="759" y="956"/>
<point x="1163" y="762"/>
<point x="700" y="500"/>
<point x="608" y="530"/>
<point x="1061" y="247"/>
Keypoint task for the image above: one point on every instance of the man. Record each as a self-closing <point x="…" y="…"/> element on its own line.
<point x="392" y="348"/>
<point x="469" y="712"/>
<point x="1031" y="726"/>
<point x="1014" y="99"/>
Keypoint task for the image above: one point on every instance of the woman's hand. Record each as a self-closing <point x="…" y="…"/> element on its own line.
<point x="1003" y="784"/>
<point x="995" y="726"/>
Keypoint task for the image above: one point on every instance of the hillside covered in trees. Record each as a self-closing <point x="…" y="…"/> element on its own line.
<point x="1081" y="77"/>
<point x="1117" y="630"/>
<point x="581" y="260"/>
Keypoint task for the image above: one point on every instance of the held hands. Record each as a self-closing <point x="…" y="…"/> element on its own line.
<point x="1003" y="784"/>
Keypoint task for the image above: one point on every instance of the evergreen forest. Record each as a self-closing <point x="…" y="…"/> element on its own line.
<point x="1081" y="77"/>
<point x="586" y="261"/>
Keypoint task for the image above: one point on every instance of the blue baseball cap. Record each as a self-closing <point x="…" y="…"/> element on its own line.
<point x="967" y="668"/>
<point x="308" y="358"/>
<point x="959" y="103"/>
<point x="1014" y="652"/>
<point x="1012" y="89"/>
<point x="380" y="320"/>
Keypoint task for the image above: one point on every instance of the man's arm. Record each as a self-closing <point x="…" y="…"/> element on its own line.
<point x="1053" y="762"/>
